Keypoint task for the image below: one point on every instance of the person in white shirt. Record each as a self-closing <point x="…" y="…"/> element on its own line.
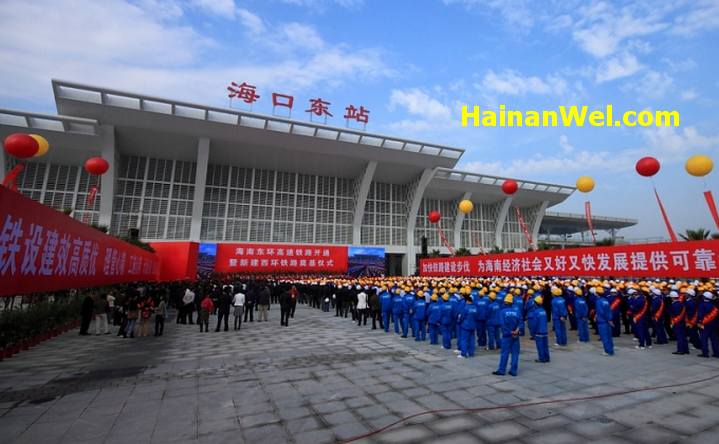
<point x="188" y="302"/>
<point x="239" y="303"/>
<point x="362" y="306"/>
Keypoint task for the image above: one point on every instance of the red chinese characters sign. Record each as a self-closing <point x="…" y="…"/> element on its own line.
<point x="41" y="249"/>
<point x="671" y="259"/>
<point x="266" y="258"/>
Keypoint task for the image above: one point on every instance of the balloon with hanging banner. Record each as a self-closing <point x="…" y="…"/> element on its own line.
<point x="585" y="184"/>
<point x="22" y="146"/>
<point x="649" y="167"/>
<point x="434" y="218"/>
<point x="96" y="167"/>
<point x="699" y="166"/>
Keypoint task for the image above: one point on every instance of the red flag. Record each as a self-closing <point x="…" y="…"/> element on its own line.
<point x="672" y="236"/>
<point x="712" y="207"/>
<point x="588" y="214"/>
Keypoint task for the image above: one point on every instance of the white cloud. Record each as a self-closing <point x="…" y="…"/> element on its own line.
<point x="252" y="22"/>
<point x="565" y="145"/>
<point x="510" y="82"/>
<point x="671" y="142"/>
<point x="222" y="8"/>
<point x="681" y="65"/>
<point x="158" y="56"/>
<point x="548" y="165"/>
<point x="601" y="28"/>
<point x="321" y="5"/>
<point x="516" y="13"/>
<point x="617" y="67"/>
<point x="652" y="85"/>
<point x="689" y="94"/>
<point x="302" y="36"/>
<point x="418" y="103"/>
<point x="703" y="16"/>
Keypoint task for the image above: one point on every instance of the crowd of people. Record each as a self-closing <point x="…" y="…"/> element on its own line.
<point x="469" y="313"/>
<point x="495" y="313"/>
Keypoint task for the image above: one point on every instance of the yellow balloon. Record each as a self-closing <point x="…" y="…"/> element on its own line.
<point x="585" y="184"/>
<point x="699" y="165"/>
<point x="42" y="144"/>
<point x="466" y="206"/>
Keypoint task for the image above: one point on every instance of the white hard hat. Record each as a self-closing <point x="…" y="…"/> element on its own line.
<point x="708" y="295"/>
<point x="673" y="294"/>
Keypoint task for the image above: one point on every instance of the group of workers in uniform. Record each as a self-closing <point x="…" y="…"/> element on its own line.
<point x="495" y="313"/>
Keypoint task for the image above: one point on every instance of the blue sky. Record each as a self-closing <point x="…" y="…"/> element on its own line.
<point x="413" y="64"/>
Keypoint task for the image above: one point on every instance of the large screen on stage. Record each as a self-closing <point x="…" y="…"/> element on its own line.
<point x="366" y="261"/>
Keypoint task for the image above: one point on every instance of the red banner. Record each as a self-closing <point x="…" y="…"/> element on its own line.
<point x="670" y="259"/>
<point x="42" y="249"/>
<point x="178" y="260"/>
<point x="270" y="258"/>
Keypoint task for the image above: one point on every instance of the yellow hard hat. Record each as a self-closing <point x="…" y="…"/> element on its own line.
<point x="538" y="300"/>
<point x="578" y="291"/>
<point x="433" y="297"/>
<point x="420" y="294"/>
<point x="509" y="299"/>
<point x="492" y="295"/>
<point x="556" y="291"/>
<point x="445" y="297"/>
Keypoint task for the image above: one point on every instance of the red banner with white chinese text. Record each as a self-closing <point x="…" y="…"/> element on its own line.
<point x="287" y="258"/>
<point x="670" y="259"/>
<point x="42" y="249"/>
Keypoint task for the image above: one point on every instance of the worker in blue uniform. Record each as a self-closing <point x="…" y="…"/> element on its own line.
<point x="569" y="297"/>
<point x="468" y="323"/>
<point x="678" y="322"/>
<point x="482" y="311"/>
<point x="658" y="312"/>
<point x="493" y="333"/>
<point x="459" y="308"/>
<point x="708" y="321"/>
<point x="385" y="306"/>
<point x="397" y="309"/>
<point x="691" y="305"/>
<point x="419" y="317"/>
<point x="581" y="311"/>
<point x="434" y="318"/>
<point x="509" y="320"/>
<point x="640" y="319"/>
<point x="615" y="303"/>
<point x="559" y="317"/>
<point x="407" y="309"/>
<point x="446" y="322"/>
<point x="605" y="321"/>
<point x="529" y="307"/>
<point x="541" y="332"/>
<point x="456" y="302"/>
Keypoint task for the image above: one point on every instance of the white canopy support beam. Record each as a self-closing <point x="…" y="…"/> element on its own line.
<point x="415" y="199"/>
<point x="203" y="155"/>
<point x="361" y="201"/>
<point x="108" y="152"/>
<point x="501" y="218"/>
<point x="538" y="223"/>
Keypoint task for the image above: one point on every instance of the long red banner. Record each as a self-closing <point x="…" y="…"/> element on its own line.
<point x="670" y="259"/>
<point x="42" y="249"/>
<point x="266" y="258"/>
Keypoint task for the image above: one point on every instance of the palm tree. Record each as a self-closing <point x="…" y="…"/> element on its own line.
<point x="462" y="252"/>
<point x="694" y="235"/>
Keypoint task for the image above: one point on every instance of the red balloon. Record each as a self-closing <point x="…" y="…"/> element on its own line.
<point x="647" y="166"/>
<point x="96" y="166"/>
<point x="510" y="186"/>
<point x="434" y="216"/>
<point x="21" y="145"/>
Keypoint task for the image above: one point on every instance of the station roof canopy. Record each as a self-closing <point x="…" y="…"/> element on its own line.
<point x="570" y="223"/>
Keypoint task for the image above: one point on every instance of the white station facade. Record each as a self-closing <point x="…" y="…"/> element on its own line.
<point x="183" y="171"/>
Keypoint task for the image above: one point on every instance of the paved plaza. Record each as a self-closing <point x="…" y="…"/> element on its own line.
<point x="323" y="379"/>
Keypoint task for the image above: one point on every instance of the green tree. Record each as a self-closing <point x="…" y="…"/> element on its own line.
<point x="434" y="253"/>
<point x="694" y="235"/>
<point x="462" y="252"/>
<point x="606" y="242"/>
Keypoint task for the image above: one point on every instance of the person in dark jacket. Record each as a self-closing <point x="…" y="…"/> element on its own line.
<point x="285" y="307"/>
<point x="224" y="302"/>
<point x="250" y="300"/>
<point x="295" y="296"/>
<point x="86" y="311"/>
<point x="263" y="301"/>
<point x="374" y="307"/>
